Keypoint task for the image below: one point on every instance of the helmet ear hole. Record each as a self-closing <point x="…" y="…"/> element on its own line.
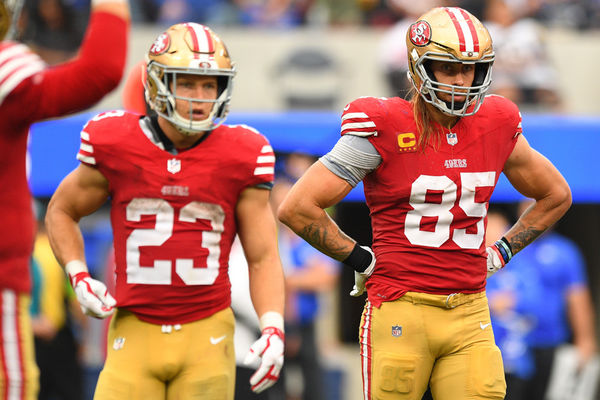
<point x="481" y="71"/>
<point x="429" y="70"/>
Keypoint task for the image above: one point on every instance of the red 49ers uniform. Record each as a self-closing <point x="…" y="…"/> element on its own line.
<point x="30" y="92"/>
<point x="428" y="214"/>
<point x="173" y="216"/>
<point x="426" y="205"/>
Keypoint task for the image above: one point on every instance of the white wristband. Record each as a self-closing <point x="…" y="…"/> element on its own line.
<point x="271" y="318"/>
<point x="74" y="267"/>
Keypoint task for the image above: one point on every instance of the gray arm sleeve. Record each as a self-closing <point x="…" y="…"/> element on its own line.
<point x="352" y="158"/>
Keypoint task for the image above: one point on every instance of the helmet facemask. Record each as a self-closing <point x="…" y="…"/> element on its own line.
<point x="162" y="79"/>
<point x="430" y="87"/>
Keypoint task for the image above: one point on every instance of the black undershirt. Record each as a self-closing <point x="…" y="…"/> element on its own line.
<point x="159" y="136"/>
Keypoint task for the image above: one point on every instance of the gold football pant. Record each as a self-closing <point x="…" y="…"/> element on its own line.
<point x="193" y="361"/>
<point x="19" y="374"/>
<point x="446" y="341"/>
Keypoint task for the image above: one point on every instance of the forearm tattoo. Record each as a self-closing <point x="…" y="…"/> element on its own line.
<point x="522" y="239"/>
<point x="321" y="238"/>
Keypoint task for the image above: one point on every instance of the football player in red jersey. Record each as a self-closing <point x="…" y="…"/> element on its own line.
<point x="30" y="92"/>
<point x="181" y="185"/>
<point x="429" y="166"/>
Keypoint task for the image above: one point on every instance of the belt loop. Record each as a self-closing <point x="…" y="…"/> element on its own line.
<point x="448" y="299"/>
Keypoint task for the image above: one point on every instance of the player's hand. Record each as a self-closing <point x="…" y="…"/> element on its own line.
<point x="360" y="278"/>
<point x="92" y="295"/>
<point x="268" y="349"/>
<point x="495" y="262"/>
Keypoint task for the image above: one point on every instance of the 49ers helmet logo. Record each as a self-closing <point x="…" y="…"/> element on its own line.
<point x="420" y="33"/>
<point x="160" y="45"/>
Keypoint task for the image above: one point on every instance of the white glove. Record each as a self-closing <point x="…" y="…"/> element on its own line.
<point x="92" y="294"/>
<point x="360" y="278"/>
<point x="495" y="262"/>
<point x="268" y="349"/>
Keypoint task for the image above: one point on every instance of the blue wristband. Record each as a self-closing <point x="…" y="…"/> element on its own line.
<point x="504" y="248"/>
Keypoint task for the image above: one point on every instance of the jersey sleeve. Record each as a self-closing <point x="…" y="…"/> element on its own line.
<point x="258" y="157"/>
<point x="507" y="119"/>
<point x="74" y="85"/>
<point x="358" y="118"/>
<point x="96" y="142"/>
<point x="17" y="63"/>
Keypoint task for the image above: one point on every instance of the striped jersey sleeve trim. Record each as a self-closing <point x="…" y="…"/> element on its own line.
<point x="15" y="78"/>
<point x="88" y="148"/>
<point x="265" y="159"/>
<point x="264" y="170"/>
<point x="86" y="159"/>
<point x="361" y="134"/>
<point x="354" y="115"/>
<point x="358" y="124"/>
<point x="265" y="162"/>
<point x="17" y="63"/>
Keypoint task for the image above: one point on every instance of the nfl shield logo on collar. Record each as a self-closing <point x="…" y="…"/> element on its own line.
<point x="396" y="331"/>
<point x="452" y="139"/>
<point x="174" y="165"/>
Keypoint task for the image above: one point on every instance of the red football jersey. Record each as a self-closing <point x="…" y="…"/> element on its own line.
<point x="173" y="216"/>
<point x="428" y="208"/>
<point x="30" y="92"/>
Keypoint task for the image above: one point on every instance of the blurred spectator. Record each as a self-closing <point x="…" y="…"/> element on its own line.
<point x="512" y="299"/>
<point x="56" y="322"/>
<point x="273" y="13"/>
<point x="247" y="329"/>
<point x="556" y="264"/>
<point x="571" y="14"/>
<point x="212" y="12"/>
<point x="392" y="48"/>
<point x="309" y="78"/>
<point x="54" y="28"/>
<point x="522" y="71"/>
<point x="307" y="274"/>
<point x="540" y="303"/>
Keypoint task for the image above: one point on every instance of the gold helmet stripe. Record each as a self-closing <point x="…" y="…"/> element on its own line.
<point x="467" y="35"/>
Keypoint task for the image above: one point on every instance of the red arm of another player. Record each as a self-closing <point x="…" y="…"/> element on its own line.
<point x="83" y="81"/>
<point x="534" y="176"/>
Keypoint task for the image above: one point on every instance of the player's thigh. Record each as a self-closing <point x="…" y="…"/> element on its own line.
<point x="209" y="359"/>
<point x="133" y="353"/>
<point x="472" y="368"/>
<point x="396" y="362"/>
<point x="19" y="374"/>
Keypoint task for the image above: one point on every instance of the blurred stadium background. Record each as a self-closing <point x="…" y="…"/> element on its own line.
<point x="296" y="72"/>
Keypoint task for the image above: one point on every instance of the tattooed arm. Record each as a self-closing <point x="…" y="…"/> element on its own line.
<point x="534" y="176"/>
<point x="303" y="210"/>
